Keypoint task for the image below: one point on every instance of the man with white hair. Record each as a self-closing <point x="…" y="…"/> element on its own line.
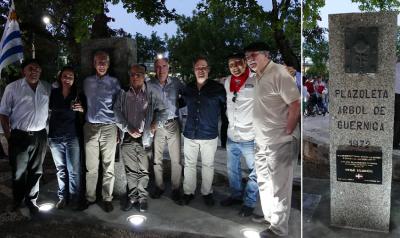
<point x="276" y="115"/>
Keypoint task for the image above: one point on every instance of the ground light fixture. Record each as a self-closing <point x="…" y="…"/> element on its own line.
<point x="45" y="207"/>
<point x="136" y="220"/>
<point x="46" y="20"/>
<point x="250" y="233"/>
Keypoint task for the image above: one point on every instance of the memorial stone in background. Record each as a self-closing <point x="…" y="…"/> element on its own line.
<point x="362" y="57"/>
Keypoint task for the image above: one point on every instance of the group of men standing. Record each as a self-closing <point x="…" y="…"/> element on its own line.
<point x="263" y="109"/>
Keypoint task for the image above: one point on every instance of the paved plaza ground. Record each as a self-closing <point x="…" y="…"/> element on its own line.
<point x="164" y="217"/>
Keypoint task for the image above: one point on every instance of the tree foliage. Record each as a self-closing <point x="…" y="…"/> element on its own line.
<point x="73" y="21"/>
<point x="218" y="28"/>
<point x="149" y="47"/>
<point x="377" y="5"/>
<point x="315" y="44"/>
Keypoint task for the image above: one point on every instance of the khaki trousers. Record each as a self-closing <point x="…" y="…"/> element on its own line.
<point x="274" y="168"/>
<point x="191" y="149"/>
<point x="136" y="168"/>
<point x="100" y="138"/>
<point x="170" y="134"/>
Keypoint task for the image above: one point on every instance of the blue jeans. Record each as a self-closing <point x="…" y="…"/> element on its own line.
<point x="66" y="156"/>
<point x="235" y="150"/>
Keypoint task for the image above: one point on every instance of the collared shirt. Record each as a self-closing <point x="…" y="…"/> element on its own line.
<point x="28" y="110"/>
<point x="275" y="90"/>
<point x="100" y="94"/>
<point x="204" y="107"/>
<point x="63" y="120"/>
<point x="169" y="93"/>
<point x="240" y="112"/>
<point x="135" y="112"/>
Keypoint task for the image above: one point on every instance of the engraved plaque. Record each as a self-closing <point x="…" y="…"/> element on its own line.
<point x="361" y="50"/>
<point x="359" y="165"/>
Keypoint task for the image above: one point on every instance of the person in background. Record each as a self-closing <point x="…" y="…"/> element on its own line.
<point x="64" y="130"/>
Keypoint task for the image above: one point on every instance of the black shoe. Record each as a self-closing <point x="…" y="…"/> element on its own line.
<point x="209" y="200"/>
<point x="268" y="233"/>
<point x="85" y="205"/>
<point x="128" y="206"/>
<point x="108" y="207"/>
<point x="259" y="219"/>
<point x="246" y="211"/>
<point x="61" y="203"/>
<point x="187" y="198"/>
<point x="157" y="192"/>
<point x="33" y="208"/>
<point x="230" y="201"/>
<point x="143" y="206"/>
<point x="175" y="195"/>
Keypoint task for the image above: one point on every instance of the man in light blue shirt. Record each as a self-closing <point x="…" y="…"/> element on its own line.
<point x="23" y="113"/>
<point x="168" y="89"/>
<point x="100" y="131"/>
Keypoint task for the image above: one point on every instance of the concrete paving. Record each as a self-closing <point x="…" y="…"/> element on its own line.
<point x="319" y="223"/>
<point x="165" y="216"/>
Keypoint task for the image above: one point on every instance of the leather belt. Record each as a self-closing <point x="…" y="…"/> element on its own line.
<point x="171" y="120"/>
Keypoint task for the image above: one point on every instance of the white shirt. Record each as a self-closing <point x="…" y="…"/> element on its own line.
<point x="397" y="82"/>
<point x="240" y="112"/>
<point x="28" y="110"/>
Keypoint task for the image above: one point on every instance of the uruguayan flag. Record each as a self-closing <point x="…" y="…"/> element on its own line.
<point x="11" y="44"/>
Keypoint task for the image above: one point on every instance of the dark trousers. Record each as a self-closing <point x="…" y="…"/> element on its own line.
<point x="224" y="127"/>
<point x="396" y="127"/>
<point x="27" y="152"/>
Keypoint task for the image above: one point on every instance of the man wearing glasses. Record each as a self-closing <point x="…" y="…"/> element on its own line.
<point x="276" y="115"/>
<point x="239" y="89"/>
<point x="204" y="99"/>
<point x="168" y="89"/>
<point x="139" y="111"/>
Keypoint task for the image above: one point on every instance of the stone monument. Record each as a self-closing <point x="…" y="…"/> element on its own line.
<point x="362" y="57"/>
<point x="122" y="53"/>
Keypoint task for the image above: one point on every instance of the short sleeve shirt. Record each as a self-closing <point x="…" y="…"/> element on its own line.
<point x="275" y="90"/>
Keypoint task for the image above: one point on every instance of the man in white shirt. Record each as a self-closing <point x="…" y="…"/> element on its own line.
<point x="239" y="89"/>
<point x="23" y="115"/>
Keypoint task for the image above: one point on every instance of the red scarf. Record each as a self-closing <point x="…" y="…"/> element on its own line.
<point x="237" y="82"/>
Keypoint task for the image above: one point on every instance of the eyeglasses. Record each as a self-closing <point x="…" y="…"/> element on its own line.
<point x="234" y="96"/>
<point x="204" y="68"/>
<point x="136" y="75"/>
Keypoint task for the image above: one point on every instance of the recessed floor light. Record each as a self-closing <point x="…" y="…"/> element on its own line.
<point x="136" y="220"/>
<point x="250" y="233"/>
<point x="45" y="207"/>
